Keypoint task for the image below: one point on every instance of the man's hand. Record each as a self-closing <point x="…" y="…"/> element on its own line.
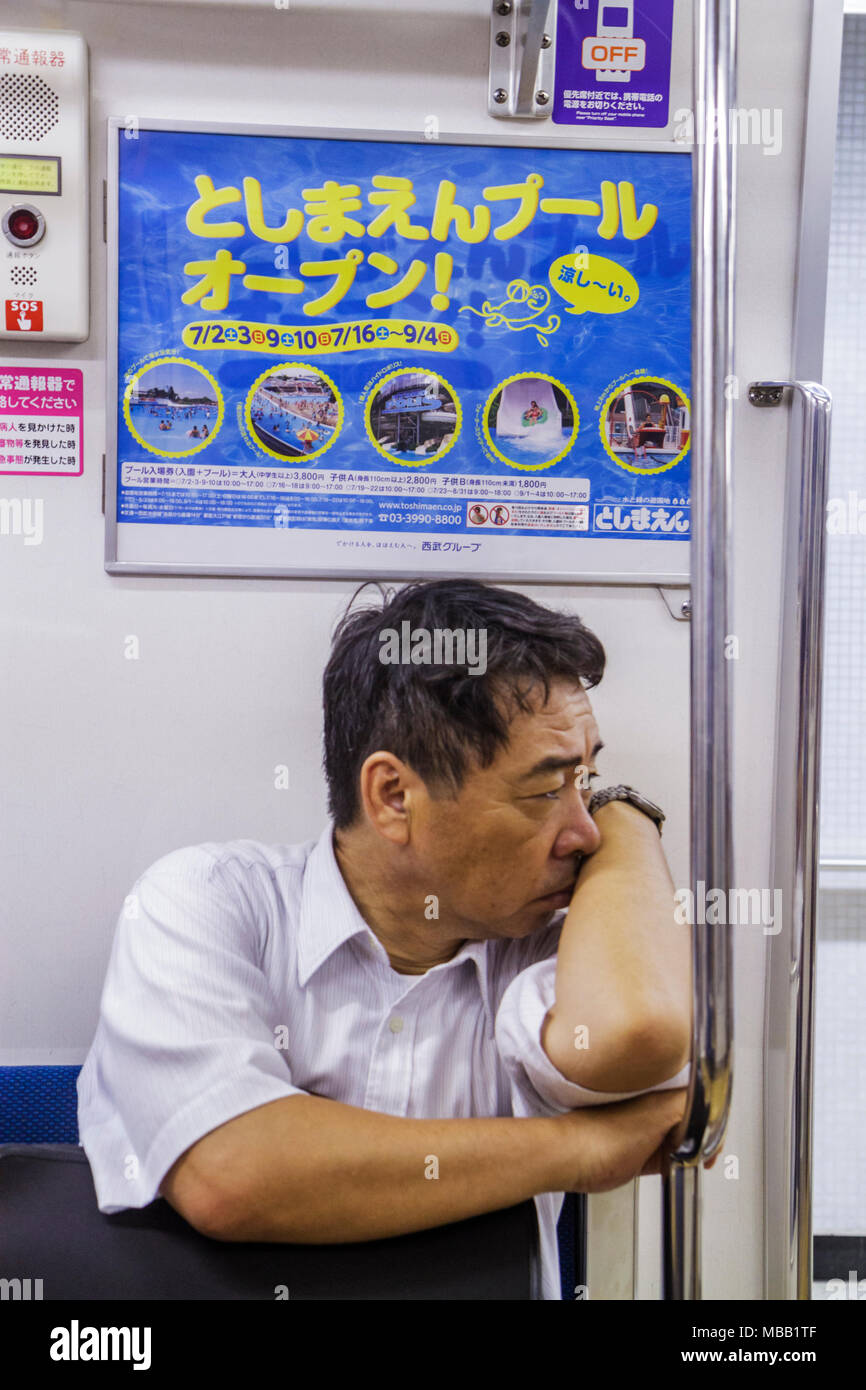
<point x="615" y="1143"/>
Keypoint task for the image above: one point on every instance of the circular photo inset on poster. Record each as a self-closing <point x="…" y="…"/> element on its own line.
<point x="413" y="417"/>
<point x="646" y="425"/>
<point x="294" y="412"/>
<point x="531" y="421"/>
<point x="478" y="514"/>
<point x="173" y="407"/>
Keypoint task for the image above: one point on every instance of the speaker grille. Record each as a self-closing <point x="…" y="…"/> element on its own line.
<point x="24" y="275"/>
<point x="29" y="108"/>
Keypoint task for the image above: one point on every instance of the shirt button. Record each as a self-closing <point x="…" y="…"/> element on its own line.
<point x="395" y="1024"/>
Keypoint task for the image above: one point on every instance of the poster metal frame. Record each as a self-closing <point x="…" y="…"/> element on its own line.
<point x="612" y="566"/>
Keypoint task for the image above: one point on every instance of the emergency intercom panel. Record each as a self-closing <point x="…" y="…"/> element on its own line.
<point x="44" y="274"/>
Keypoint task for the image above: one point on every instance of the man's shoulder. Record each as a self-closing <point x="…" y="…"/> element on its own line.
<point x="240" y="888"/>
<point x="212" y="858"/>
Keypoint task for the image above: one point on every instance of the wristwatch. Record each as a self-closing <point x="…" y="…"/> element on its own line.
<point x="623" y="793"/>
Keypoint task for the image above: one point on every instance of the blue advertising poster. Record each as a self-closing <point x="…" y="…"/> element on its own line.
<point x="406" y="355"/>
<point x="613" y="62"/>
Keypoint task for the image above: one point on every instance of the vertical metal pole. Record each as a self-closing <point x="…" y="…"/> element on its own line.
<point x="681" y="1216"/>
<point x="711" y="854"/>
<point x="790" y="1007"/>
<point x="789" y="999"/>
<point x="816" y="454"/>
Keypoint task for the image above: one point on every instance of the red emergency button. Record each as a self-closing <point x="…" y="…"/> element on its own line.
<point x="23" y="225"/>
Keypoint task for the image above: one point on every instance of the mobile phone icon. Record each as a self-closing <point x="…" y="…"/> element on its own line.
<point x="615" y="21"/>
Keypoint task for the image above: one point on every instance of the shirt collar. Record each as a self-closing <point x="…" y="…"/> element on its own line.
<point x="329" y="918"/>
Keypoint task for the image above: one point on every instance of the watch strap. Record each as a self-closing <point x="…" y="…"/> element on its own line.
<point x="624" y="793"/>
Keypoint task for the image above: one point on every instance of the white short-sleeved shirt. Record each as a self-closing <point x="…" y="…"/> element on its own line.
<point x="241" y="973"/>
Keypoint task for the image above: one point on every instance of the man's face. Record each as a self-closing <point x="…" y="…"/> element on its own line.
<point x="502" y="856"/>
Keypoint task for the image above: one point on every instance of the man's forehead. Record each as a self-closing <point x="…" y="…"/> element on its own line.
<point x="562" y="725"/>
<point x="563" y="699"/>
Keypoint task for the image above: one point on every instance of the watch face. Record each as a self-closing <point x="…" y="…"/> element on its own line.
<point x="649" y="807"/>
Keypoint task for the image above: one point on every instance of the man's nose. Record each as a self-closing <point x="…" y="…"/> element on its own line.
<point x="580" y="835"/>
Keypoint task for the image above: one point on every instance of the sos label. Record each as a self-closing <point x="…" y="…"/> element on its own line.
<point x="24" y="315"/>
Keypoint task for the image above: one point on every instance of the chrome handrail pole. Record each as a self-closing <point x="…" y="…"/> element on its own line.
<point x="790" y="1015"/>
<point x="702" y="1129"/>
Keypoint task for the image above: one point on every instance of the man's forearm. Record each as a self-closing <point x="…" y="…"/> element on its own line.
<point x="315" y="1171"/>
<point x="621" y="1021"/>
<point x="310" y="1170"/>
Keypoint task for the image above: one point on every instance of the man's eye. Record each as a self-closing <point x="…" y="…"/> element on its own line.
<point x="580" y="780"/>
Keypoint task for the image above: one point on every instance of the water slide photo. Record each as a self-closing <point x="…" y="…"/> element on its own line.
<point x="646" y="424"/>
<point x="413" y="417"/>
<point x="531" y="421"/>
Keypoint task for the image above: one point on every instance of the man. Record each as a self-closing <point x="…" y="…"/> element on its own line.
<point x="399" y="1026"/>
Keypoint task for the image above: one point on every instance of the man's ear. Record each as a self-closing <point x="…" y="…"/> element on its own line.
<point x="388" y="789"/>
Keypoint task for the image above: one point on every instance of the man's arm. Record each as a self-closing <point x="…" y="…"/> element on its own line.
<point x="309" y="1170"/>
<point x="624" y="965"/>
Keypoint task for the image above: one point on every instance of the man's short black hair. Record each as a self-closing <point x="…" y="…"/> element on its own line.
<point x="439" y="718"/>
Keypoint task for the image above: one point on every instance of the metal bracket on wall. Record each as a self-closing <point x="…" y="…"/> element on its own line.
<point x="765" y="393"/>
<point x="521" y="59"/>
<point x="678" y="602"/>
